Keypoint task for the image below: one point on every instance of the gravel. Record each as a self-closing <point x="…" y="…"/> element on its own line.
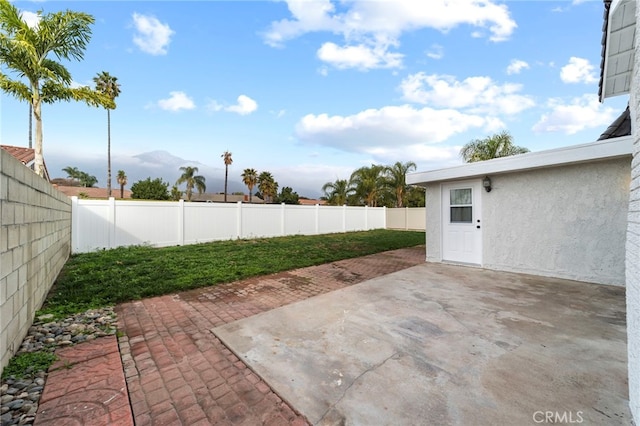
<point x="19" y="396"/>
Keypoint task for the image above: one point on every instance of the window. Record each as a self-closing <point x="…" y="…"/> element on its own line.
<point x="460" y="205"/>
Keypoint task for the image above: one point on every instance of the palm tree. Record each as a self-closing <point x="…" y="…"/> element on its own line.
<point x="227" y="162"/>
<point x="108" y="86"/>
<point x="338" y="192"/>
<point x="369" y="183"/>
<point x="496" y="146"/>
<point x="121" y="177"/>
<point x="250" y="178"/>
<point x="396" y="179"/>
<point x="26" y="51"/>
<point x="192" y="180"/>
<point x="268" y="186"/>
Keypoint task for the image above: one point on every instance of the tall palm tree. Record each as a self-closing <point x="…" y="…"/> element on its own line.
<point x="396" y="179"/>
<point x="192" y="180"/>
<point x="250" y="178"/>
<point x="338" y="192"/>
<point x="26" y="51"/>
<point x="369" y="183"/>
<point x="496" y="146"/>
<point x="226" y="156"/>
<point x="268" y="186"/>
<point x="108" y="86"/>
<point x="121" y="177"/>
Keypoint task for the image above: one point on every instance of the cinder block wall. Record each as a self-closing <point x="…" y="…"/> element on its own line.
<point x="633" y="241"/>
<point x="35" y="242"/>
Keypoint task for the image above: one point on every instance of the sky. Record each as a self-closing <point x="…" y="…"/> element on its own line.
<point x="312" y="90"/>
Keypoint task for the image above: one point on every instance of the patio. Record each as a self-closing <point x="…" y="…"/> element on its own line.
<point x="381" y="339"/>
<point x="447" y="345"/>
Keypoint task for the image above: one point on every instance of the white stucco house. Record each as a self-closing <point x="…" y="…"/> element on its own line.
<point x="572" y="212"/>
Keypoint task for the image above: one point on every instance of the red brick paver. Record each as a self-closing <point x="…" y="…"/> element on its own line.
<point x="86" y="386"/>
<point x="176" y="370"/>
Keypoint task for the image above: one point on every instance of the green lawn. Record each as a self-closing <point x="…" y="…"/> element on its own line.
<point x="103" y="278"/>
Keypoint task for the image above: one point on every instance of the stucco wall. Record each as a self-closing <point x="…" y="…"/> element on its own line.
<point x="35" y="241"/>
<point x="633" y="242"/>
<point x="567" y="222"/>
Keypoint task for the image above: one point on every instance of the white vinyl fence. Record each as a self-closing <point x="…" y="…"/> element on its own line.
<point x="105" y="224"/>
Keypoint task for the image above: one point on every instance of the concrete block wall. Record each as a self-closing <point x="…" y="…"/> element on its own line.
<point x="633" y="241"/>
<point x="35" y="242"/>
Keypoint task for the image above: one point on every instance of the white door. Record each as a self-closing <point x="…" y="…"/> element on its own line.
<point x="461" y="217"/>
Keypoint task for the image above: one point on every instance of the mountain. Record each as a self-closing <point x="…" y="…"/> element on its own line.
<point x="153" y="164"/>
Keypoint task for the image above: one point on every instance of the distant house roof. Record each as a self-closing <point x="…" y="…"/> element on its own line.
<point x="310" y="202"/>
<point x="618" y="49"/>
<point x="75" y="191"/>
<point x="219" y="198"/>
<point x="26" y="156"/>
<point x="620" y="127"/>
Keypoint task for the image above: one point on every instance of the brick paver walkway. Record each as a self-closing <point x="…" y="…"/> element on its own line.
<point x="86" y="387"/>
<point x="177" y="371"/>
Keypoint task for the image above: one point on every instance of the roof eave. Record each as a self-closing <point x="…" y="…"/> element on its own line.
<point x="584" y="153"/>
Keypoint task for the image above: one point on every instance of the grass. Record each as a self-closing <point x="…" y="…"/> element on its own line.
<point x="95" y="280"/>
<point x="27" y="364"/>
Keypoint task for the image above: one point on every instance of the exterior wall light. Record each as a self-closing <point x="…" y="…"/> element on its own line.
<point x="486" y="183"/>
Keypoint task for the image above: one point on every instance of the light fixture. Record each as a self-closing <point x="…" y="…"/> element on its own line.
<point x="486" y="183"/>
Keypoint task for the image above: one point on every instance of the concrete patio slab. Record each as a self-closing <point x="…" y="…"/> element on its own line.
<point x="444" y="344"/>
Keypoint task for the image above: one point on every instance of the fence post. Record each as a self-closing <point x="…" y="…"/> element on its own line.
<point x="406" y="218"/>
<point x="181" y="222"/>
<point x="344" y="218"/>
<point x="75" y="220"/>
<point x="366" y="218"/>
<point x="282" y="224"/>
<point x="239" y="220"/>
<point x="111" y="220"/>
<point x="317" y="219"/>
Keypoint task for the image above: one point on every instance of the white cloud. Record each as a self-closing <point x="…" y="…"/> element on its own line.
<point x="32" y="19"/>
<point x="578" y="70"/>
<point x="359" y="56"/>
<point x="391" y="128"/>
<point x="378" y="25"/>
<point x="176" y="102"/>
<point x="578" y="114"/>
<point x="477" y="94"/>
<point x="436" y="52"/>
<point x="244" y="106"/>
<point x="516" y="66"/>
<point x="152" y="36"/>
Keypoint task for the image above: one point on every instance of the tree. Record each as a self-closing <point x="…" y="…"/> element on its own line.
<point x="415" y="196"/>
<point x="82" y="178"/>
<point x="396" y="179"/>
<point x="496" y="146"/>
<point x="227" y="162"/>
<point x="108" y="86"/>
<point x="176" y="194"/>
<point x="370" y="184"/>
<point x="26" y="51"/>
<point x="192" y="180"/>
<point x="337" y="193"/>
<point x="72" y="173"/>
<point x="287" y="196"/>
<point x="268" y="186"/>
<point x="250" y="178"/>
<point x="150" y="189"/>
<point x="121" y="177"/>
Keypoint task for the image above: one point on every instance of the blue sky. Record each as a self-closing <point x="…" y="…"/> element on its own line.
<point x="312" y="90"/>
